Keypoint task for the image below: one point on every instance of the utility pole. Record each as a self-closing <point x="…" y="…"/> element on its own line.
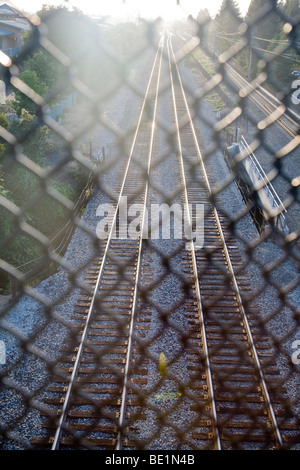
<point x="214" y="47"/>
<point x="250" y="59"/>
<point x="251" y="43"/>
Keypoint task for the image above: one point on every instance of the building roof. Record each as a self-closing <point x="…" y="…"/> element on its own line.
<point x="8" y="10"/>
<point x="11" y="18"/>
<point x="5" y="32"/>
<point x="21" y="25"/>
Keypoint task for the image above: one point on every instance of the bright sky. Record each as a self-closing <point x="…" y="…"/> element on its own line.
<point x="129" y="8"/>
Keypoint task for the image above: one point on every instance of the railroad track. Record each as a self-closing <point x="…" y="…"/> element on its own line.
<point x="276" y="111"/>
<point x="94" y="375"/>
<point x="255" y="176"/>
<point x="242" y="410"/>
<point x="99" y="388"/>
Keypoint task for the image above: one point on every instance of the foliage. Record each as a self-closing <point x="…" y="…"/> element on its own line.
<point x="268" y="40"/>
<point x="50" y="76"/>
<point x="44" y="65"/>
<point x="227" y="20"/>
<point x="7" y="108"/>
<point x="2" y="151"/>
<point x="124" y="42"/>
<point x="34" y="138"/>
<point x="77" y="37"/>
<point x="292" y="8"/>
<point x="50" y="72"/>
<point x="125" y="39"/>
<point x="269" y="37"/>
<point x="22" y="101"/>
<point x="203" y="16"/>
<point x="25" y="189"/>
<point x="79" y="40"/>
<point x="79" y="176"/>
<point x="3" y="121"/>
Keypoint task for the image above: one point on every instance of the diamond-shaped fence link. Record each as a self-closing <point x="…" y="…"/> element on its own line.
<point x="149" y="204"/>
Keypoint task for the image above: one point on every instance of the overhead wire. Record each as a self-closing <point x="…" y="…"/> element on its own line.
<point x="286" y="56"/>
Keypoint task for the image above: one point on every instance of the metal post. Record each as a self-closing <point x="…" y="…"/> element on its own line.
<point x="250" y="58"/>
<point x="214" y="46"/>
<point x="13" y="286"/>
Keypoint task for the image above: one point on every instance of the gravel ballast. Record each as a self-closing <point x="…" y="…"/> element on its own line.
<point x="42" y="318"/>
<point x="27" y="314"/>
<point x="281" y="317"/>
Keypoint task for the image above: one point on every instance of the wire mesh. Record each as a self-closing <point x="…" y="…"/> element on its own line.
<point x="156" y="341"/>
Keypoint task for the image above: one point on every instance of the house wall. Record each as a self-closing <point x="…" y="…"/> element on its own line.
<point x="15" y="25"/>
<point x="11" y="42"/>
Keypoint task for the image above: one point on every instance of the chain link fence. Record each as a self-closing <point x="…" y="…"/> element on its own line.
<point x="148" y="343"/>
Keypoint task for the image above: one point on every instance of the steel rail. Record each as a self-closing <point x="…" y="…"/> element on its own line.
<point x="271" y="412"/>
<point x="122" y="417"/>
<point x="55" y="442"/>
<point x="239" y="80"/>
<point x="217" y="441"/>
<point x="268" y="93"/>
<point x="267" y="183"/>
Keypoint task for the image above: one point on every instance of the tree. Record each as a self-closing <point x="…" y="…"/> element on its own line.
<point x="22" y="101"/>
<point x="268" y="25"/>
<point x="24" y="186"/>
<point x="292" y="8"/>
<point x="34" y="139"/>
<point x="203" y="22"/>
<point x="3" y="123"/>
<point x="77" y="37"/>
<point x="45" y="66"/>
<point x="229" y="17"/>
<point x="227" y="22"/>
<point x="50" y="72"/>
<point x="192" y="25"/>
<point x="267" y="32"/>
